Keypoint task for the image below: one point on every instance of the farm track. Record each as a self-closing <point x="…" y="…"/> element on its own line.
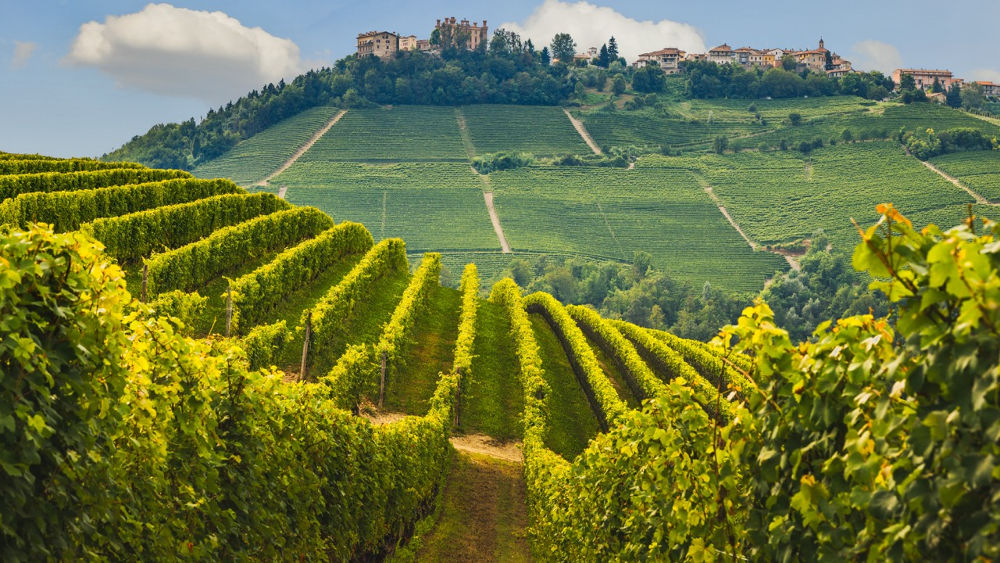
<point x="975" y="195"/>
<point x="578" y="125"/>
<point x="792" y="262"/>
<point x="302" y="150"/>
<point x="504" y="246"/>
<point x="610" y="230"/>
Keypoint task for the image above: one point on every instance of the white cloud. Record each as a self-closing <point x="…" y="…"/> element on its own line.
<point x="876" y="55"/>
<point x="182" y="52"/>
<point x="22" y="52"/>
<point x="592" y="26"/>
<point x="987" y="75"/>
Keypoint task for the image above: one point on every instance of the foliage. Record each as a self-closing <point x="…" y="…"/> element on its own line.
<point x="67" y="210"/>
<point x="260" y="291"/>
<point x="563" y="48"/>
<point x="710" y="80"/>
<point x="487" y="163"/>
<point x="264" y="342"/>
<point x="608" y="406"/>
<point x="329" y="316"/>
<point x="183" y="308"/>
<point x="649" y="79"/>
<point x="16" y="184"/>
<point x="126" y="440"/>
<point x="931" y="143"/>
<point x="131" y="237"/>
<point x="31" y="166"/>
<point x="195" y="264"/>
<point x="467" y="323"/>
<point x="356" y="374"/>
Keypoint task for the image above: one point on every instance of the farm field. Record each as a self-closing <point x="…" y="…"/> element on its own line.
<point x="400" y="133"/>
<point x="540" y="130"/>
<point x="610" y="214"/>
<point x="979" y="170"/>
<point x="251" y="160"/>
<point x="826" y="190"/>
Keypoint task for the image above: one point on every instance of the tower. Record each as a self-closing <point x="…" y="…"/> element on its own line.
<point x="821" y="43"/>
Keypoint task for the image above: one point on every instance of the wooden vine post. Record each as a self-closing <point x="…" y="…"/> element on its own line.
<point x="381" y="384"/>
<point x="305" y="346"/>
<point x="145" y="278"/>
<point x="229" y="309"/>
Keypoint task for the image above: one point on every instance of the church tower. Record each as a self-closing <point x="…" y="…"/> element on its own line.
<point x="821" y="43"/>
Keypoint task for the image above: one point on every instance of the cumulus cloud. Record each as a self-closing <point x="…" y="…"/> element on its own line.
<point x="876" y="55"/>
<point x="22" y="52"/>
<point x="592" y="26"/>
<point x="182" y="52"/>
<point x="986" y="74"/>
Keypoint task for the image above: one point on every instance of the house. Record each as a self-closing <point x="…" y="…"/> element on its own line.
<point x="743" y="55"/>
<point x="474" y="34"/>
<point x="924" y="78"/>
<point x="423" y="44"/>
<point x="382" y="44"/>
<point x="668" y="59"/>
<point x="841" y="67"/>
<point x="761" y="59"/>
<point x="776" y="55"/>
<point x="814" y="59"/>
<point x="990" y="90"/>
<point x="722" y="55"/>
<point x="408" y="43"/>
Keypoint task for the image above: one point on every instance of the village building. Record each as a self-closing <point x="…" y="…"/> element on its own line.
<point x="776" y="56"/>
<point x="423" y="44"/>
<point x="382" y="44"/>
<point x="814" y="59"/>
<point x="408" y="43"/>
<point x="990" y="90"/>
<point x="667" y="59"/>
<point x="924" y="78"/>
<point x="475" y="34"/>
<point x="722" y="55"/>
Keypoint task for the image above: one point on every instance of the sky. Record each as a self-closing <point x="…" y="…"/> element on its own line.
<point x="82" y="77"/>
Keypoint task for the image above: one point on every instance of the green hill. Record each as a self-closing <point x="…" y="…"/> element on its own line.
<point x="192" y="368"/>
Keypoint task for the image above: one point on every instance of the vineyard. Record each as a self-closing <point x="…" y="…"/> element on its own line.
<point x="253" y="380"/>
<point x="979" y="170"/>
<point x="542" y="131"/>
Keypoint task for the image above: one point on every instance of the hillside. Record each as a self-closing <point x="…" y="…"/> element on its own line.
<point x="625" y="442"/>
<point x="404" y="171"/>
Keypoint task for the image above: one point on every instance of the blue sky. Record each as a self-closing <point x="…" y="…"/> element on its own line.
<point x="70" y="93"/>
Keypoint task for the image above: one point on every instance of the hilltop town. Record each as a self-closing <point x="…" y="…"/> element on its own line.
<point x="471" y="35"/>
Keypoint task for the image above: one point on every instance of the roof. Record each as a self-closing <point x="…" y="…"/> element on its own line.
<point x="667" y="51"/>
<point x="923" y="71"/>
<point x="986" y="83"/>
<point x="372" y="33"/>
<point x="747" y="50"/>
<point x="813" y="52"/>
<point x="722" y="47"/>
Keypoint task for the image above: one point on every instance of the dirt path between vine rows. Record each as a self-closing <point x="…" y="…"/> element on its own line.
<point x="584" y="134"/>
<point x="302" y="150"/>
<point x="975" y="195"/>
<point x="474" y="443"/>
<point x="793" y="263"/>
<point x="504" y="246"/>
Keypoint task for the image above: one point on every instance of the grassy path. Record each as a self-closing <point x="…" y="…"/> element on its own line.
<point x="492" y="399"/>
<point x="483" y="514"/>
<point x="615" y="376"/>
<point x="571" y="420"/>
<point x="429" y="352"/>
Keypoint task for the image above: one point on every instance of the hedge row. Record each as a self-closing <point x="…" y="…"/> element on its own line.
<point x="673" y="366"/>
<point x="357" y="375"/>
<point x="66" y="211"/>
<point x="133" y="236"/>
<point x="132" y="442"/>
<point x="33" y="166"/>
<point x="604" y="399"/>
<point x="708" y="362"/>
<point x="17" y="184"/>
<point x="193" y="265"/>
<point x="465" y="342"/>
<point x="330" y="314"/>
<point x="257" y="293"/>
<point x="263" y="344"/>
<point x="25" y="156"/>
<point x="641" y="380"/>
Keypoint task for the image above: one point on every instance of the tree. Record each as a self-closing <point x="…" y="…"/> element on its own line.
<point x="563" y="48"/>
<point x="971" y="96"/>
<point x="906" y="82"/>
<point x="604" y="58"/>
<point x="505" y="42"/>
<point x="795" y="118"/>
<point x="618" y="85"/>
<point x="649" y="79"/>
<point x="936" y="87"/>
<point x="788" y="62"/>
<point x="544" y="56"/>
<point x="829" y="61"/>
<point x="720" y="144"/>
<point x="613" y="49"/>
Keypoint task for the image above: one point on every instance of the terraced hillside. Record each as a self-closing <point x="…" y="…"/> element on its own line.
<point x="701" y="216"/>
<point x="251" y="380"/>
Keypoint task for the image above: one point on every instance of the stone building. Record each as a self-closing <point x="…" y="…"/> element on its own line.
<point x="474" y="34"/>
<point x="924" y="78"/>
<point x="382" y="44"/>
<point x="668" y="59"/>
